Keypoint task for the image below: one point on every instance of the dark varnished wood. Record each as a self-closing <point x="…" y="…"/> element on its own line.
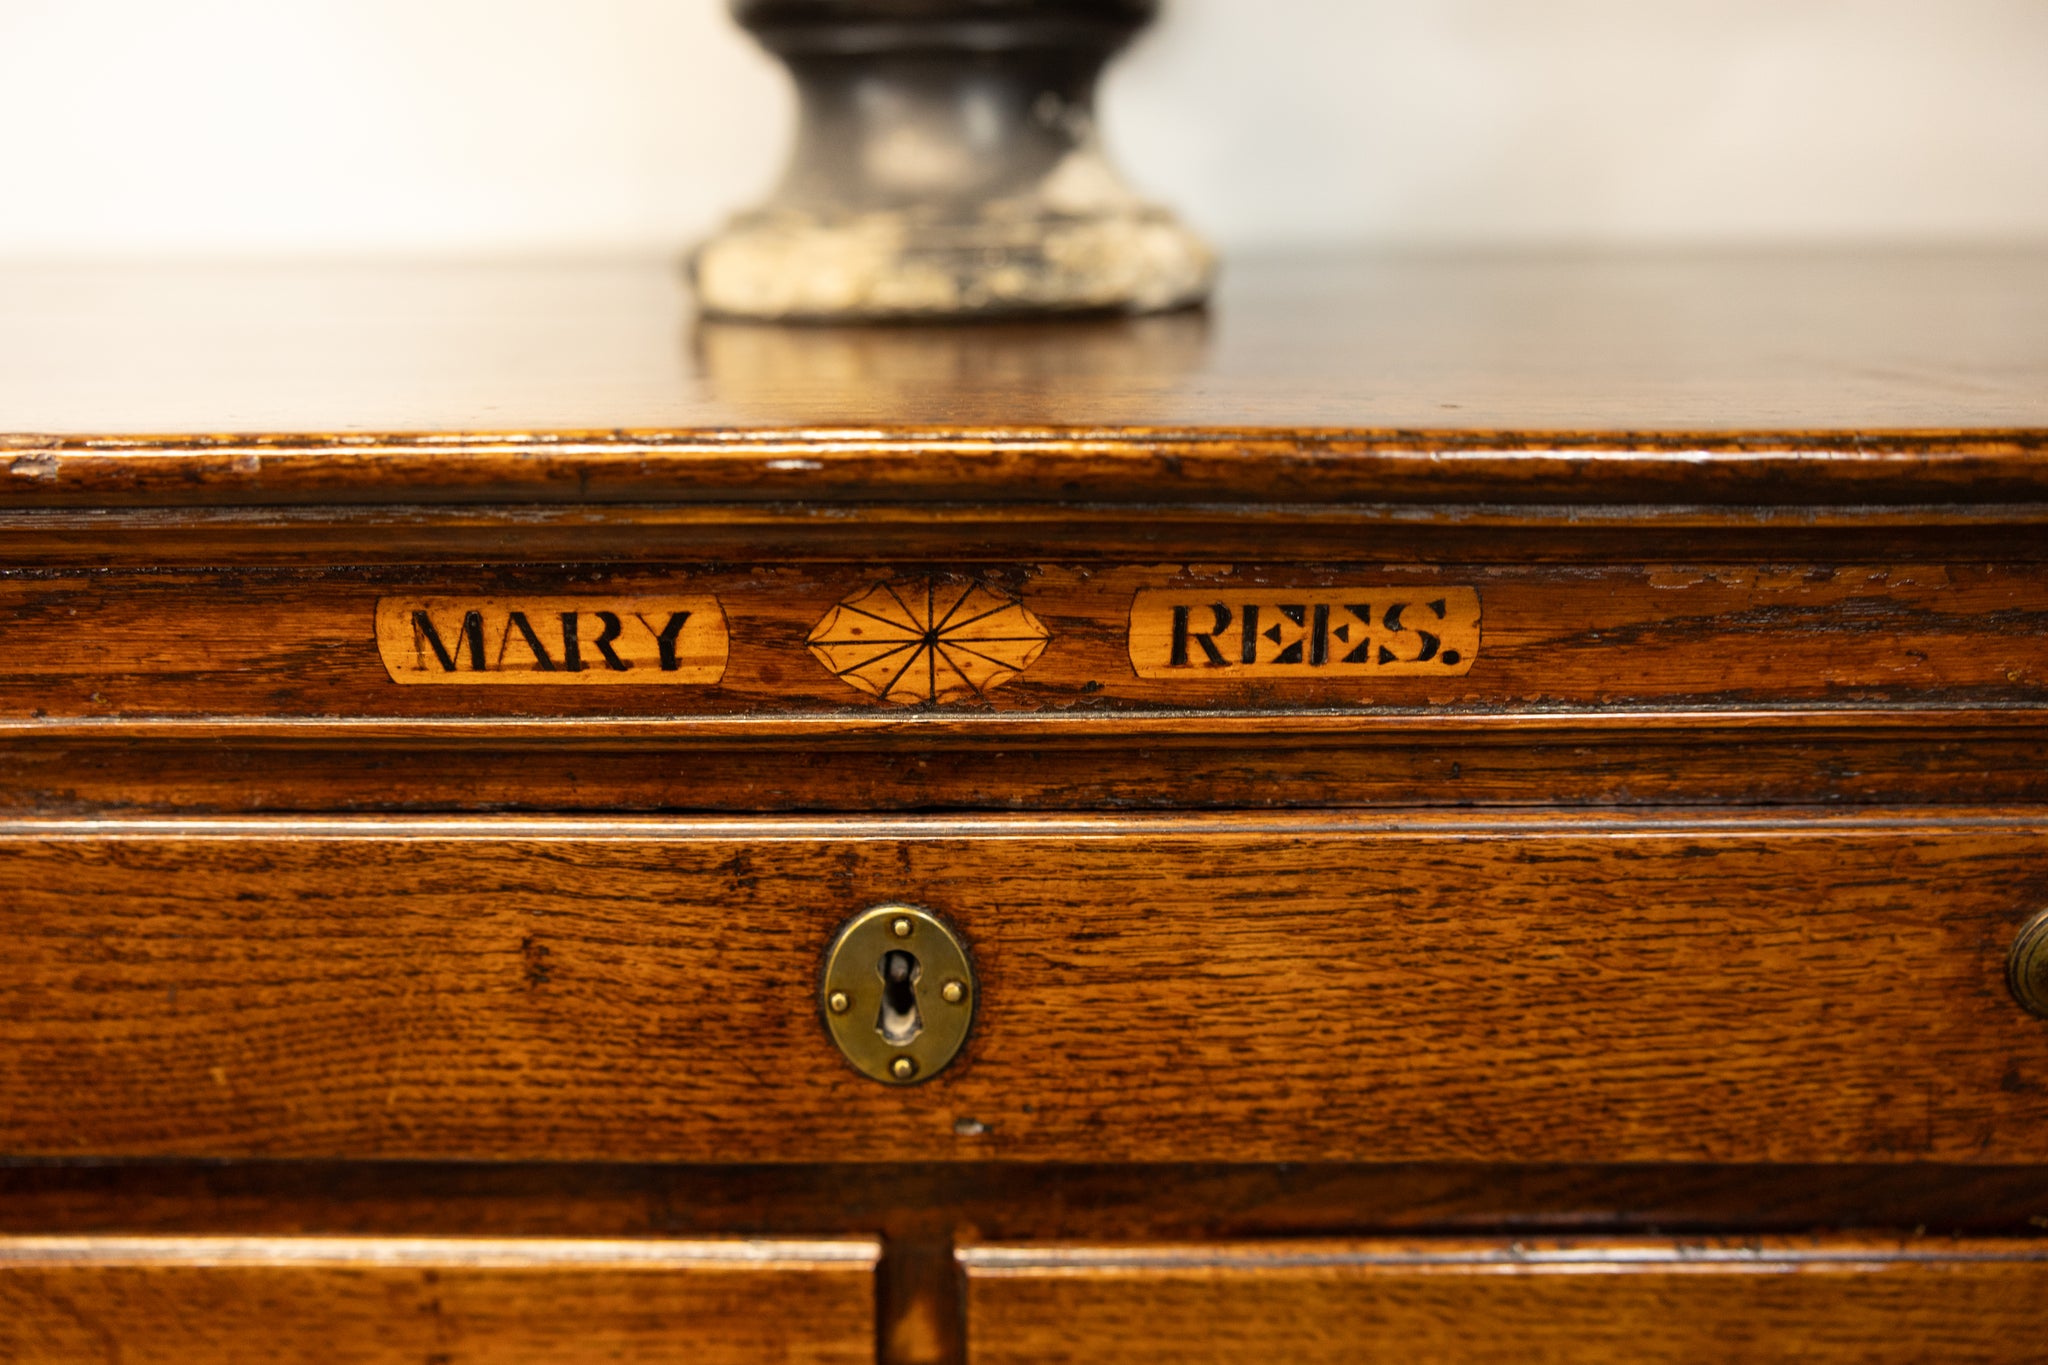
<point x="290" y="645"/>
<point x="1560" y="1304"/>
<point x="897" y="533"/>
<point x="922" y="1208"/>
<point x="263" y="689"/>
<point x="1745" y="989"/>
<point x="926" y="1202"/>
<point x="1799" y="467"/>
<point x="69" y="1300"/>
<point x="1848" y="757"/>
<point x="1615" y="348"/>
<point x="1751" y="531"/>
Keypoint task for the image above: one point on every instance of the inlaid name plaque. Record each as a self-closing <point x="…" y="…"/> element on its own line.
<point x="578" y="641"/>
<point x="1300" y="633"/>
<point x="928" y="640"/>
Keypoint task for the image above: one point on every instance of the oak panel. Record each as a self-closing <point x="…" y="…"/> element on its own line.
<point x="921" y="1207"/>
<point x="1099" y="531"/>
<point x="1561" y="1304"/>
<point x="279" y="645"/>
<point x="1012" y="1201"/>
<point x="1761" y="988"/>
<point x="1646" y="347"/>
<point x="1869" y="757"/>
<point x="365" y="1301"/>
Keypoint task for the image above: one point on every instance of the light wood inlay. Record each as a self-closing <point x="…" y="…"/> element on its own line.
<point x="1208" y="632"/>
<point x="584" y="641"/>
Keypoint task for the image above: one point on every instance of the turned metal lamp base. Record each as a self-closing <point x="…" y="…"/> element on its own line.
<point x="947" y="166"/>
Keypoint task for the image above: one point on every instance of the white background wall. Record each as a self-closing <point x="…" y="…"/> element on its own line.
<point x="147" y="127"/>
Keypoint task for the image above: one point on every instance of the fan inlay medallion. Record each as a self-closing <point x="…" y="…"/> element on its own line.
<point x="927" y="640"/>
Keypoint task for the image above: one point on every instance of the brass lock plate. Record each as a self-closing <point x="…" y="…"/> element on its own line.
<point x="2026" y="971"/>
<point x="898" y="993"/>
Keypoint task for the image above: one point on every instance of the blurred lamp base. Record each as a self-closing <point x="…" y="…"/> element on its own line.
<point x="947" y="166"/>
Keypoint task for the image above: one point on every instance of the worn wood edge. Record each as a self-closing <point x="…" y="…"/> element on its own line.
<point x="969" y="515"/>
<point x="1733" y="440"/>
<point x="1692" y="822"/>
<point x="505" y="1253"/>
<point x="1001" y="1202"/>
<point x="975" y="516"/>
<point x="1001" y="465"/>
<point x="1208" y="727"/>
<point x="1463" y="1255"/>
<point x="665" y="533"/>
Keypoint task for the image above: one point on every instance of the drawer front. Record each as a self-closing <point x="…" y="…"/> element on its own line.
<point x="1641" y="1303"/>
<point x="1348" y="988"/>
<point x="372" y="1300"/>
<point x="1104" y="641"/>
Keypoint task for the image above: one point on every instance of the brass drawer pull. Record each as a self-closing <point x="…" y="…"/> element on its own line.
<point x="2026" y="971"/>
<point x="898" y="993"/>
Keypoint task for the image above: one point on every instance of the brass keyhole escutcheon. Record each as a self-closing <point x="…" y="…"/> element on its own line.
<point x="2026" y="971"/>
<point x="898" y="993"/>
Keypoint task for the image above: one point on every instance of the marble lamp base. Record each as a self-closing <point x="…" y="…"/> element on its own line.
<point x="947" y="165"/>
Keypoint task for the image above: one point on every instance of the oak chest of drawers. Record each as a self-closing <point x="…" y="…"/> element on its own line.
<point x="1442" y="810"/>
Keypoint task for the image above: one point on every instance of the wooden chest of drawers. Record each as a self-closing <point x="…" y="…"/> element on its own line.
<point x="1442" y="811"/>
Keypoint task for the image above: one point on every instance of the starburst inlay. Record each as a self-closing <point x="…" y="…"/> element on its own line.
<point x="936" y="639"/>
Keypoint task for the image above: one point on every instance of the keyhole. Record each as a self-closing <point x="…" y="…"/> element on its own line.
<point x="899" y="1023"/>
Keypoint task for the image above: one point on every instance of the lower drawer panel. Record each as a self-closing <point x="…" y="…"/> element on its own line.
<point x="373" y="1300"/>
<point x="1597" y="1304"/>
<point x="1340" y="988"/>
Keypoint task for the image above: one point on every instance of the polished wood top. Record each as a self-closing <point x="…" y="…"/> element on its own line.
<point x="594" y="379"/>
<point x="1782" y="342"/>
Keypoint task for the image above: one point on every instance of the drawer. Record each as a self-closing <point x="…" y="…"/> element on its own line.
<point x="1745" y="989"/>
<point x="1640" y="1302"/>
<point x="763" y="644"/>
<point x="1590" y="676"/>
<point x="370" y="1300"/>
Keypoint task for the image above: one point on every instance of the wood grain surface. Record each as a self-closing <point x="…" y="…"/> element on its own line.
<point x="1847" y="757"/>
<point x="73" y="1300"/>
<point x="1956" y="525"/>
<point x="1765" y="988"/>
<point x="1873" y="341"/>
<point x="296" y="645"/>
<point x="923" y="1208"/>
<point x="940" y="1201"/>
<point x="1813" y="469"/>
<point x="1745" y="531"/>
<point x="1570" y="1304"/>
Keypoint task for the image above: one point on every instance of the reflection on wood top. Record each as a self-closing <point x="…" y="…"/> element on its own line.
<point x="1809" y="377"/>
<point x="1631" y="343"/>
